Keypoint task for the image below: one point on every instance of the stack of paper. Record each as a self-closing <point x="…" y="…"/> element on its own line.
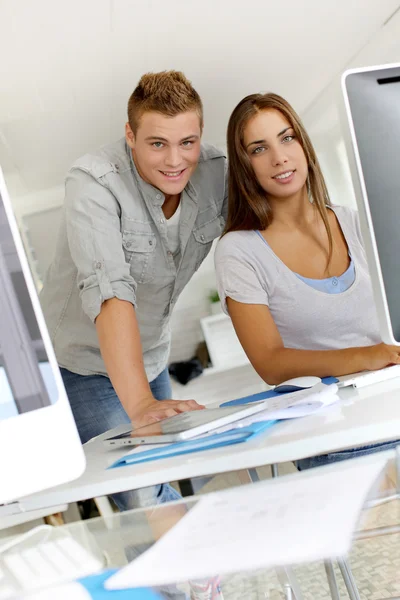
<point x="290" y="406"/>
<point x="297" y="404"/>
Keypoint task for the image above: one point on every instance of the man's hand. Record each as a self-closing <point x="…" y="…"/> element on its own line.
<point x="150" y="410"/>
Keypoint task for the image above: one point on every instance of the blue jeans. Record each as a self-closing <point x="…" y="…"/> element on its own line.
<point x="332" y="457"/>
<point x="96" y="409"/>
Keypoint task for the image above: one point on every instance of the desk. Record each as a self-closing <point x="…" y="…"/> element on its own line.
<point x="127" y="535"/>
<point x="11" y="515"/>
<point x="365" y="416"/>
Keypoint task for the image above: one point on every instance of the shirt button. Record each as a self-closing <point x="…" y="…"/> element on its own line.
<point x="128" y="244"/>
<point x="158" y="196"/>
<point x="169" y="253"/>
<point x="150" y="242"/>
<point x="202" y="238"/>
<point x="162" y="220"/>
<point x="98" y="265"/>
<point x="334" y="281"/>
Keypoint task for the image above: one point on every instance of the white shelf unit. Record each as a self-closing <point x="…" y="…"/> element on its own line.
<point x="223" y="345"/>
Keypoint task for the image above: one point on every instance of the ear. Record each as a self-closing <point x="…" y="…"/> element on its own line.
<point x="129" y="136"/>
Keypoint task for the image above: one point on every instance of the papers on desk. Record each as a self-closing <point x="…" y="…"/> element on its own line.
<point x="282" y="406"/>
<point x="273" y="394"/>
<point x="293" y="405"/>
<point x="299" y="518"/>
<point x="231" y="434"/>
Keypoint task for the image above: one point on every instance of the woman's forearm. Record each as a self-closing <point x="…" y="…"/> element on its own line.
<point x="281" y="364"/>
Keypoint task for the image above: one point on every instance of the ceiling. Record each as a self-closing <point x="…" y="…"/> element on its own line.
<point x="68" y="68"/>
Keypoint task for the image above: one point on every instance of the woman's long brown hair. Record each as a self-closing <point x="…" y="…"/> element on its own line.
<point x="248" y="206"/>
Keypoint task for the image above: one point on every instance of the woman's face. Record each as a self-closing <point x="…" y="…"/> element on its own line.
<point x="276" y="155"/>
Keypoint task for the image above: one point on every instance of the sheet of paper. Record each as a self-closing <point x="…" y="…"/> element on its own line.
<point x="289" y="406"/>
<point x="298" y="518"/>
<point x="302" y="406"/>
<point x="315" y="396"/>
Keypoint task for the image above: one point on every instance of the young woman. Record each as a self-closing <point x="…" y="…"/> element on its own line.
<point x="291" y="267"/>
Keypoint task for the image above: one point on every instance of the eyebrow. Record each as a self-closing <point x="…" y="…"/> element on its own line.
<point x="263" y="141"/>
<point x="161" y="139"/>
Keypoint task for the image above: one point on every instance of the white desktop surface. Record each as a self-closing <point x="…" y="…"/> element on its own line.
<point x="365" y="416"/>
<point x="11" y="515"/>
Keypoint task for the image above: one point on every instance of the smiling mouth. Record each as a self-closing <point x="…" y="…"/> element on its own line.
<point x="284" y="175"/>
<point x="173" y="174"/>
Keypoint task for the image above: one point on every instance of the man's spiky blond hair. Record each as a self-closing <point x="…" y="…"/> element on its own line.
<point x="168" y="93"/>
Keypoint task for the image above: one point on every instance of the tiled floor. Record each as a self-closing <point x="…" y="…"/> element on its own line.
<point x="375" y="562"/>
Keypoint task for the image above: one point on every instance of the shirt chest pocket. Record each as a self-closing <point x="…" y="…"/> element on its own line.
<point x="139" y="250"/>
<point x="204" y="236"/>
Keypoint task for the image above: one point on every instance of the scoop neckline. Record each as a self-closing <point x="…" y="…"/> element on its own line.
<point x="301" y="282"/>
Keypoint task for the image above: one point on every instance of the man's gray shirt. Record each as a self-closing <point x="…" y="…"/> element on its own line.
<point x="113" y="244"/>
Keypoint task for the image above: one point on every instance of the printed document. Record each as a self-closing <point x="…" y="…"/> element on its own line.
<point x="298" y="518"/>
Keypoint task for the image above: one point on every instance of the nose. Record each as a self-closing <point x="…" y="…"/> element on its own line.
<point x="173" y="157"/>
<point x="278" y="156"/>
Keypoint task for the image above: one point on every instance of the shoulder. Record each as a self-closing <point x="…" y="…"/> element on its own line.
<point x="212" y="160"/>
<point x="209" y="153"/>
<point x="345" y="213"/>
<point x="245" y="267"/>
<point x="348" y="218"/>
<point x="111" y="158"/>
<point x="344" y="210"/>
<point x="236" y="246"/>
<point x="209" y="178"/>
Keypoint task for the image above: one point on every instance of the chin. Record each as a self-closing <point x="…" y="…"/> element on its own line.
<point x="288" y="192"/>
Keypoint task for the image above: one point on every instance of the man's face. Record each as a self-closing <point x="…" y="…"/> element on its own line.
<point x="165" y="149"/>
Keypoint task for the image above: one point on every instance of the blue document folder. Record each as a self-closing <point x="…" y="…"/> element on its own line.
<point x="268" y="394"/>
<point x="216" y="440"/>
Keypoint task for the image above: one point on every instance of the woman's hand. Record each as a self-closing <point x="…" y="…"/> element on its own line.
<point x="380" y="356"/>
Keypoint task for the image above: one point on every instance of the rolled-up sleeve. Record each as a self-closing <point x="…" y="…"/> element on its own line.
<point x="95" y="242"/>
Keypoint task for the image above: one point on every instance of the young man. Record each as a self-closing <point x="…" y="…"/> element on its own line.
<point x="139" y="218"/>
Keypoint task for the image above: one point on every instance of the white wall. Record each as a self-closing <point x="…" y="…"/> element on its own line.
<point x="322" y="116"/>
<point x="71" y="66"/>
<point x="68" y="67"/>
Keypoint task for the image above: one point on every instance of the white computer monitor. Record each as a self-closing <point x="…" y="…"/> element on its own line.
<point x="371" y="127"/>
<point x="39" y="443"/>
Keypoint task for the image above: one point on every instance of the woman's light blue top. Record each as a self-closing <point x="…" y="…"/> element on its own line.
<point x="330" y="285"/>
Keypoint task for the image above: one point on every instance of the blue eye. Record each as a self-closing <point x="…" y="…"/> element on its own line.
<point x="258" y="150"/>
<point x="187" y="143"/>
<point x="288" y="138"/>
<point x="157" y="144"/>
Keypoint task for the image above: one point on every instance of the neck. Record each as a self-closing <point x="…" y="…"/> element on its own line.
<point x="170" y="205"/>
<point x="292" y="211"/>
